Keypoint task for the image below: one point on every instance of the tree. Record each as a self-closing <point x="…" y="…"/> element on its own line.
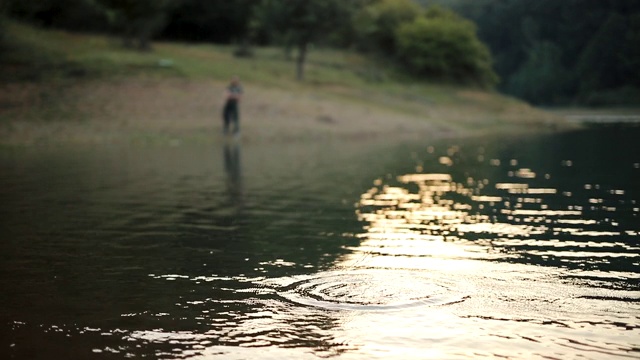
<point x="3" y="12"/>
<point x="542" y="77"/>
<point x="377" y="23"/>
<point x="298" y="23"/>
<point x="137" y="20"/>
<point x="444" y="46"/>
<point x="218" y="21"/>
<point x="79" y="15"/>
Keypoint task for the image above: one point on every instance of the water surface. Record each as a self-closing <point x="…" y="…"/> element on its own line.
<point x="524" y="248"/>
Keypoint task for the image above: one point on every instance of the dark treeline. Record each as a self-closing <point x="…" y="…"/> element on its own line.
<point x="215" y="21"/>
<point x="561" y="52"/>
<point x="544" y="51"/>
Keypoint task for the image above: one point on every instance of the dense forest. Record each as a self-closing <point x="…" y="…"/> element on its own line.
<point x="559" y="52"/>
<point x="547" y="52"/>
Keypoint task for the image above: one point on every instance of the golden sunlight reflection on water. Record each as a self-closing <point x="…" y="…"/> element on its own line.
<point x="430" y="222"/>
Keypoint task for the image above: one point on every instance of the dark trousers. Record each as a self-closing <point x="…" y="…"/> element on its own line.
<point x="230" y="115"/>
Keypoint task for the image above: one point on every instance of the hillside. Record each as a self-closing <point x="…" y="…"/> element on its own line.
<point x="61" y="87"/>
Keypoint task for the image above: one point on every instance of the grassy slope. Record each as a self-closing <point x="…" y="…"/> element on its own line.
<point x="56" y="75"/>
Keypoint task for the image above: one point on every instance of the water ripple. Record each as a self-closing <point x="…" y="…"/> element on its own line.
<point x="380" y="289"/>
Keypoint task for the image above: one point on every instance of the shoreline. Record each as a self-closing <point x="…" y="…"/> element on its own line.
<point x="171" y="110"/>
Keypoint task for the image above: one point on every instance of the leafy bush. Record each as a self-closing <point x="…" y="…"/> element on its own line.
<point x="443" y="46"/>
<point x="376" y="23"/>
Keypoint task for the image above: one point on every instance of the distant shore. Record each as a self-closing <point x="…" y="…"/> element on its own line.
<point x="587" y="116"/>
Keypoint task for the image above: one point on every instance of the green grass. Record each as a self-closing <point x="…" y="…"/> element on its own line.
<point x="48" y="55"/>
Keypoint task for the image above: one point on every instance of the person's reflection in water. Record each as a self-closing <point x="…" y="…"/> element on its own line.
<point x="233" y="171"/>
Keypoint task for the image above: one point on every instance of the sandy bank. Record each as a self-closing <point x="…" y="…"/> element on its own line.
<point x="175" y="110"/>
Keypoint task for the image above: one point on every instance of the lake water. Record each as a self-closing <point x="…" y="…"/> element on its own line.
<point x="496" y="247"/>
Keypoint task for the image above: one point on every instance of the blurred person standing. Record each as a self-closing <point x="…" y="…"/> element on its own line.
<point x="230" y="113"/>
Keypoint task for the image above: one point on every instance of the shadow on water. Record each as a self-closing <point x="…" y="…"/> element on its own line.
<point x="307" y="251"/>
<point x="233" y="169"/>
